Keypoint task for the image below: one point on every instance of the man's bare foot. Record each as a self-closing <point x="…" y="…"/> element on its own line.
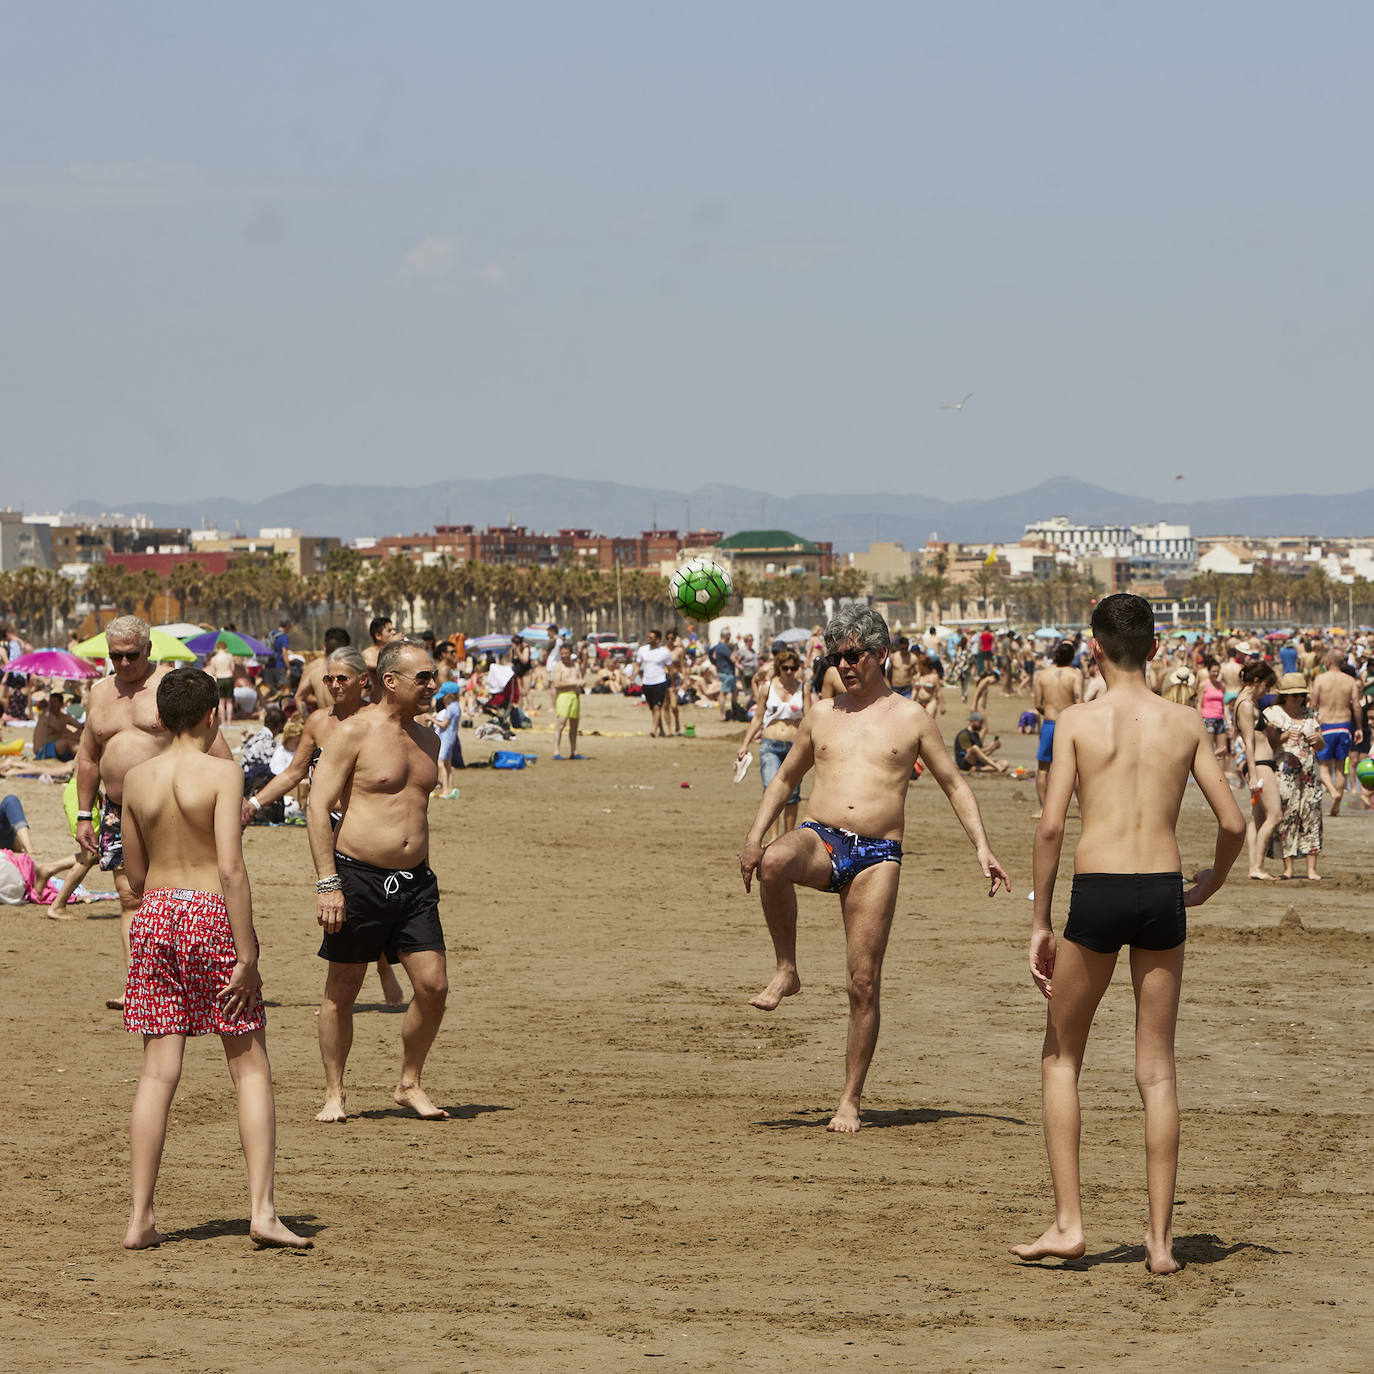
<point x="1159" y="1259"/>
<point x="64" y="913"/>
<point x="273" y="1233"/>
<point x="1313" y="877"/>
<point x="845" y="1121"/>
<point x="417" y="1099"/>
<point x="142" y="1237"/>
<point x="391" y="988"/>
<point x="1264" y="877"/>
<point x="332" y="1111"/>
<point x="115" y="1003"/>
<point x="1054" y="1244"/>
<point x="785" y="984"/>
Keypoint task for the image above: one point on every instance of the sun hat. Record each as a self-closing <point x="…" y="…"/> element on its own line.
<point x="1292" y="685"/>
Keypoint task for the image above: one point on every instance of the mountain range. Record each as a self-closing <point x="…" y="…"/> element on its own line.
<point x="849" y="520"/>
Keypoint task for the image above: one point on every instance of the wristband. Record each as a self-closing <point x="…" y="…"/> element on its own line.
<point x="333" y="883"/>
<point x="83" y="816"/>
<point x="255" y="803"/>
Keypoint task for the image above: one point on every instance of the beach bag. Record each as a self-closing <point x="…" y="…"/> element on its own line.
<point x="507" y="758"/>
<point x="71" y="806"/>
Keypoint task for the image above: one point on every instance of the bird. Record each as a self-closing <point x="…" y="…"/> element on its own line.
<point x="956" y="405"/>
<point x="1178" y="477"/>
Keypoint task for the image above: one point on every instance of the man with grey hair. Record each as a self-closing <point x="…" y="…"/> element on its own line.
<point x="864" y="745"/>
<point x="376" y="894"/>
<point x="122" y="729"/>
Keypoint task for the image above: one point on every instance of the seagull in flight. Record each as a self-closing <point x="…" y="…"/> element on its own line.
<point x="956" y="405"/>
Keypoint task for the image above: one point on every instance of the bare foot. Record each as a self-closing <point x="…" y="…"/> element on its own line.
<point x="391" y="988"/>
<point x="1159" y="1259"/>
<point x="64" y="913"/>
<point x="273" y="1233"/>
<point x="845" y="1121"/>
<point x="115" y="1003"/>
<point x="142" y="1237"/>
<point x="417" y="1099"/>
<point x="1264" y="877"/>
<point x="332" y="1111"/>
<point x="1054" y="1244"/>
<point x="1314" y="877"/>
<point x="785" y="984"/>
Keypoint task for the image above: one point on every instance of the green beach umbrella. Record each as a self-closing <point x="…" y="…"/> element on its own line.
<point x="164" y="648"/>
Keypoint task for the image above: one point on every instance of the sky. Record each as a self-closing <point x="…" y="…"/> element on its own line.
<point x="245" y="248"/>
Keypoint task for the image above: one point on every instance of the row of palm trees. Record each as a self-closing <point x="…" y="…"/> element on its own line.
<point x="1269" y="595"/>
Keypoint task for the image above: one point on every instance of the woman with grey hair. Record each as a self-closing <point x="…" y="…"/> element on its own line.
<point x="345" y="678"/>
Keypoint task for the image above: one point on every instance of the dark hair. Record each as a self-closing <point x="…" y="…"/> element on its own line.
<point x="1124" y="625"/>
<point x="376" y="624"/>
<point x="274" y="718"/>
<point x="1209" y="662"/>
<point x="336" y="637"/>
<point x="1257" y="672"/>
<point x="184" y="698"/>
<point x="1063" y="653"/>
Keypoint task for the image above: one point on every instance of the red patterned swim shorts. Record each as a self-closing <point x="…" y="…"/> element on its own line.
<point x="181" y="956"/>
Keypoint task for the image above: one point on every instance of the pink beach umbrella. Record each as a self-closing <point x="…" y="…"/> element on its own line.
<point x="52" y="663"/>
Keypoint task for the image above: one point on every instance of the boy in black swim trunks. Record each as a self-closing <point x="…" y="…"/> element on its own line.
<point x="1130" y="754"/>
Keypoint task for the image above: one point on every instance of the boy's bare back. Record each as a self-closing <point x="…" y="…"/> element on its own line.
<point x="180" y="801"/>
<point x="1132" y="753"/>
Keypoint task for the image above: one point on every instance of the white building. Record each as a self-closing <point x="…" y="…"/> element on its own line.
<point x="1158" y="548"/>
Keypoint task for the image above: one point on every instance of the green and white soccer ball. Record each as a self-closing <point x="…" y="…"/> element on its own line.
<point x="700" y="589"/>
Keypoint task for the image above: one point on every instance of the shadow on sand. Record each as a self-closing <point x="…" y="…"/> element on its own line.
<point x="881" y="1118"/>
<point x="464" y="1113"/>
<point x="302" y="1223"/>
<point x="1202" y="1248"/>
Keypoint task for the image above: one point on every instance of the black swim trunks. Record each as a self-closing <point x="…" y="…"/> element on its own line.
<point x="1144" y="910"/>
<point x="388" y="911"/>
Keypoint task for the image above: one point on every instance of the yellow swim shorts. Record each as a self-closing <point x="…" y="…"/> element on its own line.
<point x="568" y="705"/>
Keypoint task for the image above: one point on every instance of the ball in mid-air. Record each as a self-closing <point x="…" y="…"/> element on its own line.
<point x="700" y="589"/>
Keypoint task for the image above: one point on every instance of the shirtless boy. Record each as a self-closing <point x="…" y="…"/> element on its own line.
<point x="1055" y="689"/>
<point x="566" y="680"/>
<point x="122" y="730"/>
<point x="1336" y="700"/>
<point x="1130" y="754"/>
<point x="376" y="892"/>
<point x="863" y="743"/>
<point x="194" y="968"/>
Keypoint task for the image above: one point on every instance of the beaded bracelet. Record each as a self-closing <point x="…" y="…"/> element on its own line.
<point x="333" y="883"/>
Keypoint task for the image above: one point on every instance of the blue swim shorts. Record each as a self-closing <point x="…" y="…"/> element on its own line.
<point x="1045" y="753"/>
<point x="850" y="854"/>
<point x="1336" y="742"/>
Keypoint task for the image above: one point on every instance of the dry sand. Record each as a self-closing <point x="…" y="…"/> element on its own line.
<point x="637" y="1169"/>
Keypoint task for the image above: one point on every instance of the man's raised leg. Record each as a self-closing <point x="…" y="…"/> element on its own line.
<point x="798" y="857"/>
<point x="342" y="984"/>
<point x="1081" y="977"/>
<point x="1157" y="976"/>
<point x="867" y="905"/>
<point x="428" y="973"/>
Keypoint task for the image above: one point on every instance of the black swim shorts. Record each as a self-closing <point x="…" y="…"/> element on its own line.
<point x="1144" y="910"/>
<point x="655" y="693"/>
<point x="388" y="911"/>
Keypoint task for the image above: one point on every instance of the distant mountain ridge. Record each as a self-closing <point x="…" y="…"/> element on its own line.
<point x="849" y="521"/>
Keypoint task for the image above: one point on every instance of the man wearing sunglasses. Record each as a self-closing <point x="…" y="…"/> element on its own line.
<point x="122" y="729"/>
<point x="376" y="894"/>
<point x="863" y="744"/>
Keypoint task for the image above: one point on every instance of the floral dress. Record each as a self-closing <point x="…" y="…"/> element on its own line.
<point x="1300" y="790"/>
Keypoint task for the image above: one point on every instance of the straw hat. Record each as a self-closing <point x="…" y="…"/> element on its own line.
<point x="1292" y="685"/>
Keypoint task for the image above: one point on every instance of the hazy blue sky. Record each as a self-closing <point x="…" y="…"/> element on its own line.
<point x="250" y="246"/>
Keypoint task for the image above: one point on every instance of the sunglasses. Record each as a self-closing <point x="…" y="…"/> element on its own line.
<point x="789" y="664"/>
<point x="849" y="656"/>
<point x="343" y="679"/>
<point x="422" y="679"/>
<point x="128" y="656"/>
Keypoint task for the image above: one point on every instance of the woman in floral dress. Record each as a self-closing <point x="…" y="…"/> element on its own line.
<point x="1296" y="736"/>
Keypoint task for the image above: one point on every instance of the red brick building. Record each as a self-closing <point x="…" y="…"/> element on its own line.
<point x="521" y="547"/>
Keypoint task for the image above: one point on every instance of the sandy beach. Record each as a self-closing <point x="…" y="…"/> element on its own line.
<point x="638" y="1175"/>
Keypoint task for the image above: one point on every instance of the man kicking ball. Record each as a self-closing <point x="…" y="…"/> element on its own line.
<point x="864" y="744"/>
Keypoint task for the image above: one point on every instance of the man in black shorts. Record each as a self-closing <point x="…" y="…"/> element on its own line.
<point x="655" y="668"/>
<point x="376" y="892"/>
<point x="1130" y="754"/>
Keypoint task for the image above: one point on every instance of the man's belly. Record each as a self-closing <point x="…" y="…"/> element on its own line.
<point x="878" y="818"/>
<point x="391" y="836"/>
<point x="122" y="752"/>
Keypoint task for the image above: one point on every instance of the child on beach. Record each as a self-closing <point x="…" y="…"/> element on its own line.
<point x="193" y="965"/>
<point x="1130" y="754"/>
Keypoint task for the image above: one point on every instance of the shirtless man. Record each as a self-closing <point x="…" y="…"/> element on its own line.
<point x="1129" y="754"/>
<point x="122" y="729"/>
<point x="220" y="666"/>
<point x="566" y="681"/>
<point x="1055" y="689"/>
<point x="56" y="735"/>
<point x="1094" y="684"/>
<point x="311" y="693"/>
<point x="864" y="744"/>
<point x="1336" y="700"/>
<point x="901" y="667"/>
<point x="383" y="632"/>
<point x="376" y="892"/>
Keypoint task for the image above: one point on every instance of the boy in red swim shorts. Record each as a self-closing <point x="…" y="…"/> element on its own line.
<point x="193" y="967"/>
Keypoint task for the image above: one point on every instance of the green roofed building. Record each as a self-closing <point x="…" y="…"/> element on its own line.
<point x="766" y="554"/>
